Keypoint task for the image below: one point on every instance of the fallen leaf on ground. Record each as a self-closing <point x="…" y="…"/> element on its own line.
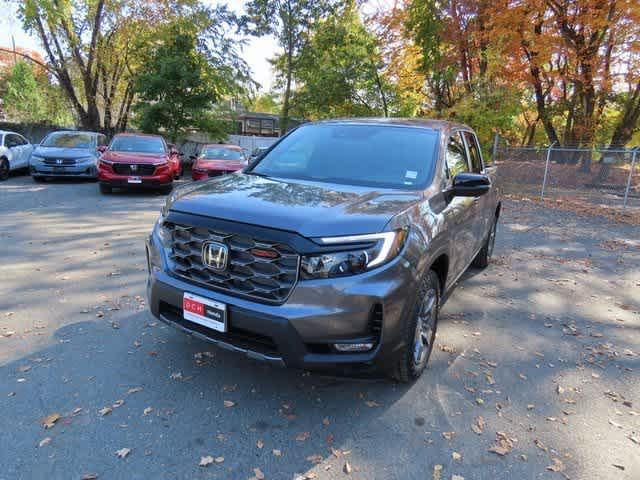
<point x="134" y="390"/>
<point x="503" y="445"/>
<point x="618" y="466"/>
<point x="123" y="452"/>
<point x="448" y="435"/>
<point x="50" y="420"/>
<point x="302" y="436"/>
<point x="347" y="468"/>
<point x="258" y="473"/>
<point x="456" y="456"/>
<point x="44" y="441"/>
<point x="218" y="459"/>
<point x="118" y="403"/>
<point x="478" y="426"/>
<point x="314" y="458"/>
<point x="229" y="403"/>
<point x="325" y="421"/>
<point x="205" y="461"/>
<point x="437" y="472"/>
<point x="176" y="376"/>
<point x="147" y="411"/>
<point x="457" y="477"/>
<point x="557" y="466"/>
<point x="259" y="444"/>
<point x="105" y="411"/>
<point x="90" y="476"/>
<point x="276" y="452"/>
<point x="372" y="404"/>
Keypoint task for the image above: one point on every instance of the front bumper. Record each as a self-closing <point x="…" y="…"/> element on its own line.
<point x="301" y="332"/>
<point x="147" y="181"/>
<point x="79" y="171"/>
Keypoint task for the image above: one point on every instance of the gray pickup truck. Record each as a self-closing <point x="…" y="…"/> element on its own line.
<point x="334" y="250"/>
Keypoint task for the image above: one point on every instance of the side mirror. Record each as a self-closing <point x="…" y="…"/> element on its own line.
<point x="469" y="185"/>
<point x="102" y="148"/>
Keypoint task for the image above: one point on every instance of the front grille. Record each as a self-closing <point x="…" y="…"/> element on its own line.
<point x="133" y="169"/>
<point x="246" y="275"/>
<point x="59" y="162"/>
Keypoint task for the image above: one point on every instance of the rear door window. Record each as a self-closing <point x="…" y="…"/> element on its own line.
<point x="474" y="152"/>
<point x="457" y="161"/>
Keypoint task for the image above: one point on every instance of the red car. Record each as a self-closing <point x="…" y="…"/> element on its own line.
<point x="134" y="160"/>
<point x="218" y="159"/>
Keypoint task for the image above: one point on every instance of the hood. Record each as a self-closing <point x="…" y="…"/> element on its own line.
<point x="308" y="208"/>
<point x="61" y="152"/>
<point x="226" y="165"/>
<point x="132" y="157"/>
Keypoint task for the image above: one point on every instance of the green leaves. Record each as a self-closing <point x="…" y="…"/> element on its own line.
<point x="185" y="78"/>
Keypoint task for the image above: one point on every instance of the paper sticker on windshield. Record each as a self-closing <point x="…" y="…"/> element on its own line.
<point x="411" y="174"/>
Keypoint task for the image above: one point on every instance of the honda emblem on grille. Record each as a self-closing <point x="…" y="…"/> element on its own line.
<point x="134" y="168"/>
<point x="215" y="255"/>
<point x="59" y="161"/>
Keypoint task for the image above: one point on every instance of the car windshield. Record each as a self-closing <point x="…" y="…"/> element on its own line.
<point x="221" y="153"/>
<point x="130" y="143"/>
<point x="69" y="140"/>
<point x="369" y="155"/>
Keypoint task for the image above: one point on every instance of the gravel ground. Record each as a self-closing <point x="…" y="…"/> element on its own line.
<point x="536" y="374"/>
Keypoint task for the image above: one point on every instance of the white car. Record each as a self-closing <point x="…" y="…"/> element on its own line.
<point x="15" y="152"/>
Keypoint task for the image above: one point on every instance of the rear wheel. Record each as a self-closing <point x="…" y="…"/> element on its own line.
<point x="483" y="258"/>
<point x="106" y="189"/>
<point x="4" y="169"/>
<point x="419" y="330"/>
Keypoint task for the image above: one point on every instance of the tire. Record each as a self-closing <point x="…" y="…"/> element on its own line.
<point x="106" y="189"/>
<point x="38" y="179"/>
<point x="419" y="325"/>
<point x="483" y="258"/>
<point x="5" y="168"/>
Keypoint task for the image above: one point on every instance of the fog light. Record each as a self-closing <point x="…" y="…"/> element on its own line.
<point x="353" y="347"/>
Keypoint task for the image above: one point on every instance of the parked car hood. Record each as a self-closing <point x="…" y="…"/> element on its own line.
<point x="308" y="208"/>
<point x="226" y="165"/>
<point x="127" y="157"/>
<point x="61" y="152"/>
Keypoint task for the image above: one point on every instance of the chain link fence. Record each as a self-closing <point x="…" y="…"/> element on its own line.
<point x="601" y="177"/>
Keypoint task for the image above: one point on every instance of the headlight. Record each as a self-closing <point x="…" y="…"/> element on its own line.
<point x="372" y="251"/>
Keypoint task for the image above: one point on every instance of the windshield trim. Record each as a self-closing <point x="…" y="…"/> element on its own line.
<point x="416" y="187"/>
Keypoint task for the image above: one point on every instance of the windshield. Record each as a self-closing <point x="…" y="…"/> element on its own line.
<point x="221" y="153"/>
<point x="130" y="143"/>
<point x="69" y="140"/>
<point x="370" y="155"/>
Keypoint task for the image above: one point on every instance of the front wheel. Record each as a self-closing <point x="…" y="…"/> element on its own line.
<point x="4" y="169"/>
<point x="419" y="330"/>
<point x="483" y="258"/>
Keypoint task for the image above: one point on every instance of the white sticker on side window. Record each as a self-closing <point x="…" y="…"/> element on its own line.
<point x="411" y="174"/>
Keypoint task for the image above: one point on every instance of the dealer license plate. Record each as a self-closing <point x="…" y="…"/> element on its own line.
<point x="205" y="312"/>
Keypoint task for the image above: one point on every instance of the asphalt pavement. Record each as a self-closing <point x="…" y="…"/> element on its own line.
<point x="536" y="374"/>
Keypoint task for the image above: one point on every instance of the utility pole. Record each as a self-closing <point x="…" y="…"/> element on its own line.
<point x="15" y="55"/>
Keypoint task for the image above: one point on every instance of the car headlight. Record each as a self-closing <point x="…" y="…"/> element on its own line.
<point x="370" y="251"/>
